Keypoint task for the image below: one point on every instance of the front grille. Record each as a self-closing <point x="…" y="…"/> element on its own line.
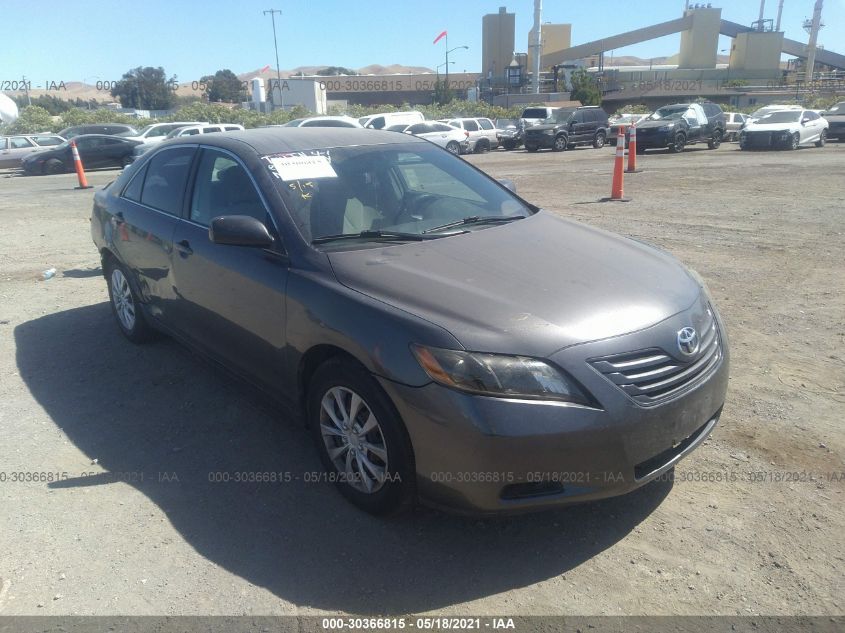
<point x="651" y="375"/>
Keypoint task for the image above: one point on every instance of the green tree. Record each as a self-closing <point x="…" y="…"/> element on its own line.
<point x="224" y="86"/>
<point x="584" y="88"/>
<point x="32" y="119"/>
<point x="146" y="88"/>
<point x="335" y="70"/>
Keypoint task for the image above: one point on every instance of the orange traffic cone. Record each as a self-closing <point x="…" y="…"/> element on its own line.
<point x="632" y="152"/>
<point x="616" y="190"/>
<point x="80" y="170"/>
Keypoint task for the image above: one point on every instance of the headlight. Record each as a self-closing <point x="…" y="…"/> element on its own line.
<point x="498" y="375"/>
<point x="699" y="280"/>
<point x="666" y="128"/>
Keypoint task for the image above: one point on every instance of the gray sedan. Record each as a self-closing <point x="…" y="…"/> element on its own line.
<point x="13" y="149"/>
<point x="446" y="340"/>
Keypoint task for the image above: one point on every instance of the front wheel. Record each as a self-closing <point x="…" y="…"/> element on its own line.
<point x="822" y="139"/>
<point x="678" y="144"/>
<point x="125" y="305"/>
<point x="560" y="143"/>
<point x="598" y="142"/>
<point x="453" y="147"/>
<point x="795" y="141"/>
<point x="54" y="166"/>
<point x="715" y="141"/>
<point x="362" y="442"/>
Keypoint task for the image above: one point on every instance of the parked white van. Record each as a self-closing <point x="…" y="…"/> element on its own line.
<point x="386" y="119"/>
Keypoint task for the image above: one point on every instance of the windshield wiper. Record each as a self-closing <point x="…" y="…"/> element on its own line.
<point x="477" y="219"/>
<point x="391" y="236"/>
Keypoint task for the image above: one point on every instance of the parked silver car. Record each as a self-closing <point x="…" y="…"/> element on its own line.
<point x="446" y="339"/>
<point x="13" y="149"/>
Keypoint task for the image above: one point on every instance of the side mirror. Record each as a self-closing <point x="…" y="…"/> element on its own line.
<point x="239" y="230"/>
<point x="805" y="120"/>
<point x="507" y="183"/>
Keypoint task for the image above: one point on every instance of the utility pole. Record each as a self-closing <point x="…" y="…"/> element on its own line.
<point x="26" y="90"/>
<point x="780" y="12"/>
<point x="273" y="13"/>
<point x="811" y="45"/>
<point x="537" y="45"/>
<point x="762" y="11"/>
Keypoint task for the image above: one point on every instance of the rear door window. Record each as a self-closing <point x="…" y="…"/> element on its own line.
<point x="46" y="141"/>
<point x="485" y="124"/>
<point x="167" y="175"/>
<point x="20" y="142"/>
<point x="471" y="126"/>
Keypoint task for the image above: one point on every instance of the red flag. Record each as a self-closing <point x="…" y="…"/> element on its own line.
<point x="265" y="69"/>
<point x="439" y="37"/>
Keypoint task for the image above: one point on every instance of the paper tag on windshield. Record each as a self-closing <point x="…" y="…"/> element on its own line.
<point x="303" y="167"/>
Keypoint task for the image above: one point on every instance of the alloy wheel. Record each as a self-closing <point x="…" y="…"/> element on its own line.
<point x="353" y="439"/>
<point x="124" y="305"/>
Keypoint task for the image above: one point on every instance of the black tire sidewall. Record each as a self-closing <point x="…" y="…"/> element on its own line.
<point x="394" y="496"/>
<point x="141" y="331"/>
<point x="557" y="142"/>
<point x="454" y="144"/>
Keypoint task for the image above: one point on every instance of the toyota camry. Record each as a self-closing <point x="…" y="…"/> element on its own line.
<point x="446" y="340"/>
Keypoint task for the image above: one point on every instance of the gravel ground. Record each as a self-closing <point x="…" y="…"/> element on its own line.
<point x="131" y="523"/>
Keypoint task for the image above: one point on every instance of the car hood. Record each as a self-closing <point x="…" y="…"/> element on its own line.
<point x="773" y="127"/>
<point x="539" y="127"/>
<point x="530" y="287"/>
<point x="653" y="124"/>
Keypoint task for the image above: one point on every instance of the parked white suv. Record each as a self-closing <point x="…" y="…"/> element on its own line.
<point x="384" y="120"/>
<point x="156" y="132"/>
<point x="482" y="133"/>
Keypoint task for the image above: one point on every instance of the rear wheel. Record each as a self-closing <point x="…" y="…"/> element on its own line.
<point x="795" y="141"/>
<point x="560" y="143"/>
<point x="125" y="305"/>
<point x="822" y="139"/>
<point x="361" y="439"/>
<point x="453" y="147"/>
<point x="679" y="143"/>
<point x="598" y="142"/>
<point x="482" y="146"/>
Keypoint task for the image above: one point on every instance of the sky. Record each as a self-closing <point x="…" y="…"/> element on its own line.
<point x="89" y="40"/>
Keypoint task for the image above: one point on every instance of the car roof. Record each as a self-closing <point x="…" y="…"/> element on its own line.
<point x="266" y="141"/>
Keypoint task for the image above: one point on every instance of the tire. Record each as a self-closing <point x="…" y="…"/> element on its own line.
<point x="54" y="166"/>
<point x="377" y="473"/>
<point x="743" y="142"/>
<point x="678" y="146"/>
<point x="125" y="305"/>
<point x="531" y="148"/>
<point x="795" y="141"/>
<point x="482" y="147"/>
<point x="560" y="143"/>
<point x="453" y="147"/>
<point x="598" y="142"/>
<point x="822" y="139"/>
<point x="715" y="140"/>
<point x="509" y="145"/>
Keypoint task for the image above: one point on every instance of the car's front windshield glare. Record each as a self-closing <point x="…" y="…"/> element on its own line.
<point x="668" y="114"/>
<point x="561" y="116"/>
<point x="780" y="117"/>
<point x="403" y="188"/>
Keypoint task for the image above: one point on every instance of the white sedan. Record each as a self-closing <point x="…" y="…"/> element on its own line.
<point x="453" y="139"/>
<point x="785" y="128"/>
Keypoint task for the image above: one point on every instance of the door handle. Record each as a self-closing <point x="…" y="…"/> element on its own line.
<point x="184" y="248"/>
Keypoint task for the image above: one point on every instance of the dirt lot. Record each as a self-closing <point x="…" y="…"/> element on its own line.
<point x="752" y="524"/>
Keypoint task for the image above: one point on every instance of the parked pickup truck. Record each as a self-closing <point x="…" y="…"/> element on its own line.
<point x="836" y="117"/>
<point x="680" y="124"/>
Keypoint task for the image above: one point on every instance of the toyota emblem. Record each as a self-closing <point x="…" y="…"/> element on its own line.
<point x="688" y="341"/>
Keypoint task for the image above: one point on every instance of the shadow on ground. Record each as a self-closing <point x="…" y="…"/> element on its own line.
<point x="158" y="409"/>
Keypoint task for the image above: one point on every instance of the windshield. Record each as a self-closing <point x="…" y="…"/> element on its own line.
<point x="669" y="113"/>
<point x="786" y="116"/>
<point x="407" y="188"/>
<point x="505" y="123"/>
<point x="560" y="116"/>
<point x="143" y="130"/>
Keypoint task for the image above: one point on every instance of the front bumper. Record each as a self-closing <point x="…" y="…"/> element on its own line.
<point x="652" y="138"/>
<point x="543" y="140"/>
<point x="765" y="140"/>
<point x="490" y="455"/>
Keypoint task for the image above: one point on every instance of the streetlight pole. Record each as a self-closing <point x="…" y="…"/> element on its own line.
<point x="448" y="50"/>
<point x="273" y="13"/>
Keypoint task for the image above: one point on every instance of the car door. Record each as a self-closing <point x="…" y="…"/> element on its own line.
<point x="811" y="126"/>
<point x="231" y="298"/>
<point x="113" y="151"/>
<point x="578" y="127"/>
<point x="90" y="152"/>
<point x="141" y="231"/>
